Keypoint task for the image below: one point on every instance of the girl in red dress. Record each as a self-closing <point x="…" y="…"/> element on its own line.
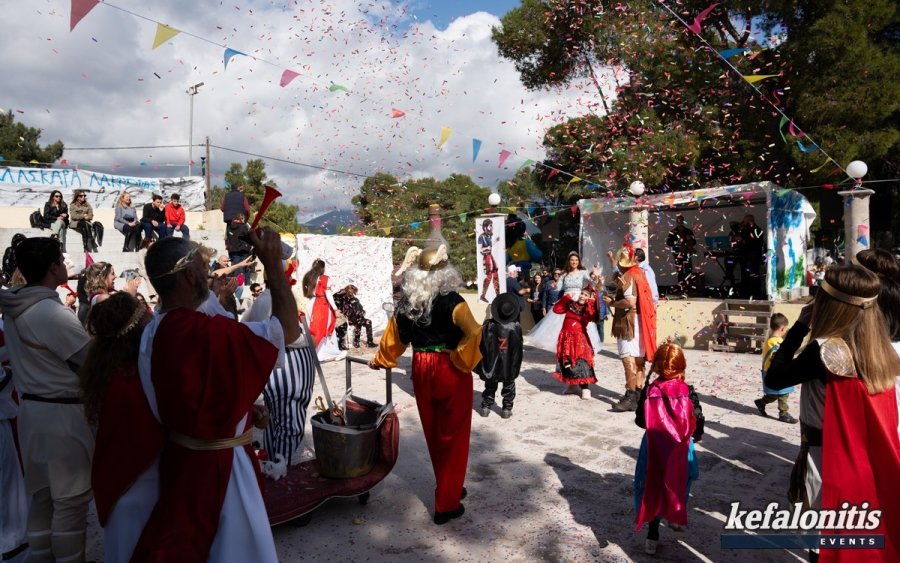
<point x="574" y="353"/>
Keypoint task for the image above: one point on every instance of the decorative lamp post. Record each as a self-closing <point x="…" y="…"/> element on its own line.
<point x="637" y="223"/>
<point x="856" y="212"/>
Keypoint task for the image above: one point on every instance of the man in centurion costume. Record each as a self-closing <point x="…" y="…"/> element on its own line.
<point x="435" y="319"/>
<point x="634" y="324"/>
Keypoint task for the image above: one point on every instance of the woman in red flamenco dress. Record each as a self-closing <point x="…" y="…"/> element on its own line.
<point x="322" y="312"/>
<point x="574" y="353"/>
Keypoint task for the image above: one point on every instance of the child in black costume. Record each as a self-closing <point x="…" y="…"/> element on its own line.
<point x="501" y="351"/>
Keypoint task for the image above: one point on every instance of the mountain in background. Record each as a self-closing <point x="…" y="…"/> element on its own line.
<point x="331" y="222"/>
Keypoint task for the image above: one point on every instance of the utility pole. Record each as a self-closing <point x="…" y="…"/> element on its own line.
<point x="208" y="177"/>
<point x="192" y="91"/>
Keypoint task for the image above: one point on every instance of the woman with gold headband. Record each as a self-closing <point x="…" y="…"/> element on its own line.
<point x="115" y="403"/>
<point x="849" y="446"/>
<point x="669" y="411"/>
<point x="435" y="319"/>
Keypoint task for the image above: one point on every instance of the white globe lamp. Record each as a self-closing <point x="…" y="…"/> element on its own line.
<point x="494" y="199"/>
<point x="857" y="169"/>
<point x="636" y="188"/>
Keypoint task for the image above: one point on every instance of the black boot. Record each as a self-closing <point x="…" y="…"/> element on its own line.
<point x="628" y="402"/>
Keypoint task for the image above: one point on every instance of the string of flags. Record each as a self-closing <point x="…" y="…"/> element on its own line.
<point x="752" y="79"/>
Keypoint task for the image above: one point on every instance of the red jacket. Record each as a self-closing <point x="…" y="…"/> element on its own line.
<point x="174" y="215"/>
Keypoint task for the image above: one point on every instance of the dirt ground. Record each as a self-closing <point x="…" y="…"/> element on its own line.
<point x="554" y="482"/>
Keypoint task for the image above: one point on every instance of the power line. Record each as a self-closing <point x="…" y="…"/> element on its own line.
<point x="131" y="148"/>
<point x="294" y="162"/>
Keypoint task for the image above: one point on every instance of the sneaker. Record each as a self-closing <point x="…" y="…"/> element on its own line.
<point x="506" y="413"/>
<point x="628" y="402"/>
<point x="585" y="394"/>
<point x="650" y="546"/>
<point x="485" y="411"/>
<point x="444" y="517"/>
<point x="760" y="406"/>
<point x="786" y="417"/>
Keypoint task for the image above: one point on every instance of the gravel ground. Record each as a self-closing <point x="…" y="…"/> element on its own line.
<point x="554" y="482"/>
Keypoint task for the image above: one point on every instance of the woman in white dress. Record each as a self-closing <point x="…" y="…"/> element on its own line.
<point x="545" y="334"/>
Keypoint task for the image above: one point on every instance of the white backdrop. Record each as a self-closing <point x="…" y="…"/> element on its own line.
<point x="366" y="262"/>
<point x="498" y="251"/>
<point x="31" y="187"/>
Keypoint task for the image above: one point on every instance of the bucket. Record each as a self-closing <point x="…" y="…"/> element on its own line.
<point x="347" y="451"/>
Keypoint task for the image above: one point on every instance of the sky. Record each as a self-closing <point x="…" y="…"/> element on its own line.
<point x="101" y="85"/>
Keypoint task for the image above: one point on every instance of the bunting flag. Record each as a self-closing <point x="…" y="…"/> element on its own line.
<point x="229" y="53"/>
<point x="528" y="162"/>
<point x="476" y="146"/>
<point x="445" y="134"/>
<point x="336" y="87"/>
<point x="553" y="172"/>
<point x="573" y="180"/>
<point x="754" y="78"/>
<point x="163" y="34"/>
<point x="387" y="230"/>
<point x="784" y="121"/>
<point x="728" y="53"/>
<point x="814" y="170"/>
<point x="286" y="77"/>
<point x="696" y="26"/>
<point x="504" y="154"/>
<point x="462" y="217"/>
<point x="80" y="8"/>
<point x="805" y="148"/>
<point x="395" y="113"/>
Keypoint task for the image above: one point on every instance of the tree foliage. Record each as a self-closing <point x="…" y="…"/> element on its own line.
<point x="682" y="119"/>
<point x="20" y="144"/>
<point x="280" y="216"/>
<point x="385" y="202"/>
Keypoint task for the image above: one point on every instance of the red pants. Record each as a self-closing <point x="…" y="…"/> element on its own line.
<point x="444" y="399"/>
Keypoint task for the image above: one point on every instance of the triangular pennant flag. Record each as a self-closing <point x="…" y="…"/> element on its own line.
<point x="528" y="162"/>
<point x="287" y="76"/>
<point x="476" y="146"/>
<point x="80" y="8"/>
<point x="695" y="27"/>
<point x="395" y="113"/>
<point x="553" y="172"/>
<point x="511" y="209"/>
<point x="781" y="125"/>
<point x="336" y="87"/>
<point x="573" y="180"/>
<point x="504" y="154"/>
<point x="462" y="217"/>
<point x="445" y="134"/>
<point x="753" y="78"/>
<point x="728" y="53"/>
<point x="229" y="53"/>
<point x="827" y="160"/>
<point x="163" y="34"/>
<point x="805" y="148"/>
<point x="387" y="230"/>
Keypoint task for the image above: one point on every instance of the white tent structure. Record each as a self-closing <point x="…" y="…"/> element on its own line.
<point x="606" y="223"/>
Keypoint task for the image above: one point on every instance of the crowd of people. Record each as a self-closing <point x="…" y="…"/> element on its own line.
<point x="166" y="455"/>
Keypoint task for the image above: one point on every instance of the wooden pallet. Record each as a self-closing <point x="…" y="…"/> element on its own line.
<point x="741" y="326"/>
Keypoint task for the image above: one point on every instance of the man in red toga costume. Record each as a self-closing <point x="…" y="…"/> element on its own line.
<point x="201" y="372"/>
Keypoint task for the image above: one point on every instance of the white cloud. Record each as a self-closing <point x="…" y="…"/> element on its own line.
<point x="98" y="86"/>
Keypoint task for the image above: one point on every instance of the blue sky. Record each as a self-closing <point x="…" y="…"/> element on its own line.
<point x="442" y="12"/>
